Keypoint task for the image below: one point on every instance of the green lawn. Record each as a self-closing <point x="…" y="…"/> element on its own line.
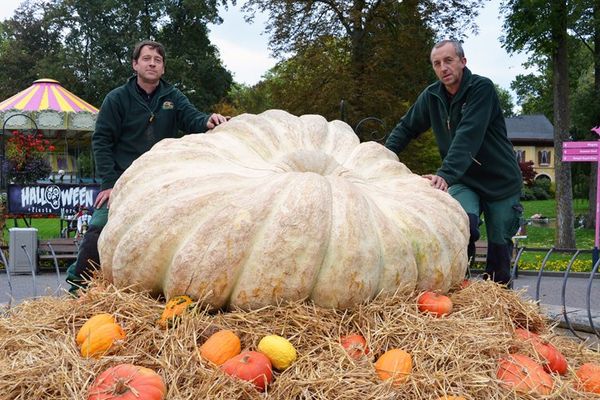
<point x="47" y="227"/>
<point x="543" y="237"/>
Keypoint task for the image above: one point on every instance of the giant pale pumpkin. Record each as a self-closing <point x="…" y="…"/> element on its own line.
<point x="275" y="207"/>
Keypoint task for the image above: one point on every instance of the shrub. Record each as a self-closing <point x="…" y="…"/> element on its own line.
<point x="26" y="159"/>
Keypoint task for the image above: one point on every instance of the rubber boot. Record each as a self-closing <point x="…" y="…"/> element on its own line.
<point x="82" y="269"/>
<point x="498" y="263"/>
<point x="473" y="236"/>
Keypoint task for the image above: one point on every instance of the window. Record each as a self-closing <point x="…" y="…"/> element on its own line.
<point x="520" y="154"/>
<point x="544" y="157"/>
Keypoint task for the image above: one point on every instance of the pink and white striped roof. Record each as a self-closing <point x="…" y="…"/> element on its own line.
<point x="46" y="94"/>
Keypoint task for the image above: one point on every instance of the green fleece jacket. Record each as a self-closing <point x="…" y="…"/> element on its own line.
<point x="471" y="135"/>
<point x="127" y="126"/>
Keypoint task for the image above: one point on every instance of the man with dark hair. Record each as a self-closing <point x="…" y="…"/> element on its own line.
<point x="133" y="118"/>
<point x="479" y="167"/>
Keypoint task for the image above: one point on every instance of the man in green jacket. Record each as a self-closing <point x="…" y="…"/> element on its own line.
<point x="479" y="167"/>
<point x="132" y="119"/>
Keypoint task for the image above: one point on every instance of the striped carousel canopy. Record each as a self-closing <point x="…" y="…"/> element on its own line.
<point x="46" y="94"/>
<point x="51" y="106"/>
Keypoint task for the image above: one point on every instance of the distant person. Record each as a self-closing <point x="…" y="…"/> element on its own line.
<point x="83" y="222"/>
<point x="479" y="167"/>
<point x="133" y="118"/>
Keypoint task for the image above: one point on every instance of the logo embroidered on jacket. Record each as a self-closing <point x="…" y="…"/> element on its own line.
<point x="168" y="105"/>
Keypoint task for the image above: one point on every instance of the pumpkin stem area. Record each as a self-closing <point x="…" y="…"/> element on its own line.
<point x="309" y="161"/>
<point x="122" y="386"/>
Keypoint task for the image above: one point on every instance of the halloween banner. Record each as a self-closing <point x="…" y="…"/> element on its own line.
<point x="50" y="198"/>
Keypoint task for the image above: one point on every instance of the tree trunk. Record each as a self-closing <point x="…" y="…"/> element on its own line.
<point x="565" y="231"/>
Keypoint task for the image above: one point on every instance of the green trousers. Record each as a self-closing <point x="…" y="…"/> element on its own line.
<point x="82" y="268"/>
<point x="502" y="221"/>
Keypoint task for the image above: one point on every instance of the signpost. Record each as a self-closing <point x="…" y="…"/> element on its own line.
<point x="587" y="152"/>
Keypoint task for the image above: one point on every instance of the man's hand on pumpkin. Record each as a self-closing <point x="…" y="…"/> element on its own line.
<point x="216" y="119"/>
<point x="103" y="197"/>
<point x="437" y="182"/>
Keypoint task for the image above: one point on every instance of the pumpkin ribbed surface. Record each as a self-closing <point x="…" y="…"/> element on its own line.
<point x="127" y="382"/>
<point x="275" y="207"/>
<point x="101" y="340"/>
<point x="92" y="324"/>
<point x="220" y="347"/>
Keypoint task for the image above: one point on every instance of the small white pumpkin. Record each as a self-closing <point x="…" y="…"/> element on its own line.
<point x="274" y="207"/>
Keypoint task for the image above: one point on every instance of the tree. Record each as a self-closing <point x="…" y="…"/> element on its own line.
<point x="506" y="102"/>
<point x="245" y="99"/>
<point x="296" y="25"/>
<point x="527" y="172"/>
<point x="30" y="48"/>
<point x="540" y="27"/>
<point x="193" y="62"/>
<point x="318" y="79"/>
<point x="534" y="93"/>
<point x="87" y="44"/>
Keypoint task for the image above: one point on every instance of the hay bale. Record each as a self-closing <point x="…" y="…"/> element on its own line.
<point x="456" y="354"/>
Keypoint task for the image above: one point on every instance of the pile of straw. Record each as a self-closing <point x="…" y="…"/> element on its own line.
<point x="453" y="355"/>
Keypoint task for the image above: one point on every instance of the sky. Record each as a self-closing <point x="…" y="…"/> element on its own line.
<point x="244" y="51"/>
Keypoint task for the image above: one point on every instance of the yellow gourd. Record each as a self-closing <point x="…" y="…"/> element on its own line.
<point x="279" y="350"/>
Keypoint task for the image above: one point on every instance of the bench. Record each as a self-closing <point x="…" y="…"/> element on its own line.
<point x="481" y="247"/>
<point x="58" y="249"/>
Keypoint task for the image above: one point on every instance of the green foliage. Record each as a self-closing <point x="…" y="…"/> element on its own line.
<point x="85" y="164"/>
<point x="314" y="81"/>
<point x="506" y="102"/>
<point x="534" y="93"/>
<point x="372" y="55"/>
<point x="422" y="155"/>
<point x="193" y="62"/>
<point x="28" y="38"/>
<point x="535" y="263"/>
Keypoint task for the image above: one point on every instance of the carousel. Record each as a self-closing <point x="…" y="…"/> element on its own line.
<point x="64" y="119"/>
<point x="56" y="125"/>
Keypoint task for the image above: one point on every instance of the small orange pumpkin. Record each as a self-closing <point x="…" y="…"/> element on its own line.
<point x="127" y="382"/>
<point x="588" y="375"/>
<point x="555" y="361"/>
<point x="250" y="366"/>
<point x="221" y="346"/>
<point x="434" y="303"/>
<point x="464" y="284"/>
<point x="174" y="308"/>
<point x="395" y="364"/>
<point x="524" y="375"/>
<point x="100" y="340"/>
<point x="355" y="345"/>
<point x="92" y="324"/>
